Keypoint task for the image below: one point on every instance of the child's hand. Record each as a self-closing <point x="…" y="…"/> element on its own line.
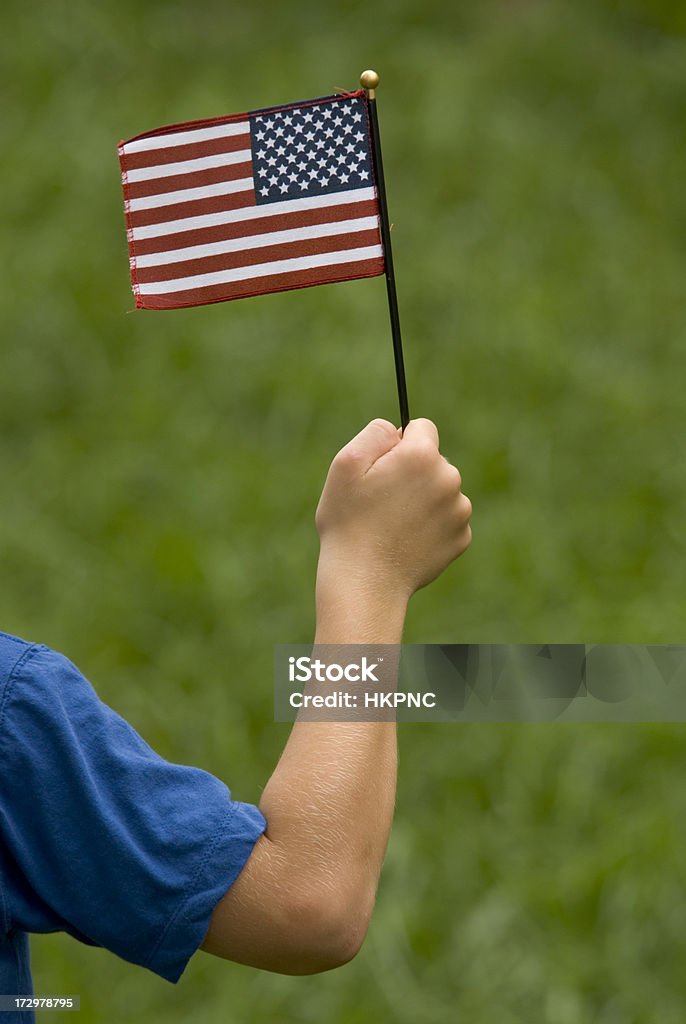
<point x="392" y="509"/>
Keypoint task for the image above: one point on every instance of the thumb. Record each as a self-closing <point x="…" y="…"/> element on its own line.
<point x="421" y="430"/>
<point x="375" y="440"/>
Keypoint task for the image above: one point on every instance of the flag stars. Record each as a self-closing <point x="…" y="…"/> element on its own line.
<point x="310" y="150"/>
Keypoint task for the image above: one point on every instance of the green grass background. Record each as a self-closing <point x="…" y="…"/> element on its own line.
<point x="160" y="470"/>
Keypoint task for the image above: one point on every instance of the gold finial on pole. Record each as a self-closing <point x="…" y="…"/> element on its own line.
<point x="369" y="80"/>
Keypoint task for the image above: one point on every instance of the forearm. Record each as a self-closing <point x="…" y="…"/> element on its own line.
<point x="330" y="799"/>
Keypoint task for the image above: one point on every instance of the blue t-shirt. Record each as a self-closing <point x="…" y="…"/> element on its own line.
<point x="101" y="837"/>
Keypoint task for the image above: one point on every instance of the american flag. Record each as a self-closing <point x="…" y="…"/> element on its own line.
<point x="252" y="203"/>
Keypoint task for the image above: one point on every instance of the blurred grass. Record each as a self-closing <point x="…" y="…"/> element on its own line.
<point x="161" y="470"/>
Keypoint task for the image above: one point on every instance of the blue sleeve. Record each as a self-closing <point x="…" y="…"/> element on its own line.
<point x="101" y="837"/>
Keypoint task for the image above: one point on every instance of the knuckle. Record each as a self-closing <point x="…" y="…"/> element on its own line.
<point x="462" y="541"/>
<point x="347" y="457"/>
<point x="384" y="426"/>
<point x="384" y="429"/>
<point x="424" y="422"/>
<point x="453" y="476"/>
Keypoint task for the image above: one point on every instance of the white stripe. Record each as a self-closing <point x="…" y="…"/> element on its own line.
<point x="341" y="227"/>
<point x="241" y="156"/>
<point x="325" y="259"/>
<point x="357" y="195"/>
<point x="185" y="195"/>
<point x="215" y="131"/>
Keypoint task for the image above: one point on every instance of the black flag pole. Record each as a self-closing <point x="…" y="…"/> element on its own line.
<point x="369" y="81"/>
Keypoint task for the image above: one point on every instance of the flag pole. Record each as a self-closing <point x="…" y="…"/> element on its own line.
<point x="369" y="81"/>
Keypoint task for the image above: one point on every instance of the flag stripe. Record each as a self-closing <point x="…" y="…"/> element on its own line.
<point x="222" y="205"/>
<point x="261" y="224"/>
<point x="199" y="281"/>
<point x="181" y="138"/>
<point x="187" y="195"/>
<point x="277" y="253"/>
<point x="239" y="156"/>
<point x="276" y="283"/>
<point x="195" y="252"/>
<point x="158" y="224"/>
<point x="192" y="151"/>
<point x="210" y="176"/>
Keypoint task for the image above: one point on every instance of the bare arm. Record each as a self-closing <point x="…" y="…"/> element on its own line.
<point x="391" y="517"/>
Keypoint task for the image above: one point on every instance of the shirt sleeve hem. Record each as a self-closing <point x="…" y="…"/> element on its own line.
<point x="226" y="856"/>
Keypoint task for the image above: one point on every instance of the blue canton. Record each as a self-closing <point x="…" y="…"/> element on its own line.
<point x="310" y="150"/>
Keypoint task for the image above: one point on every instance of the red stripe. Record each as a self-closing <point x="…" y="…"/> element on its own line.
<point x="194" y="179"/>
<point x="189" y="151"/>
<point x="262" y="285"/>
<point x="252" y="257"/>
<point x="192" y="208"/>
<point x="258" y="226"/>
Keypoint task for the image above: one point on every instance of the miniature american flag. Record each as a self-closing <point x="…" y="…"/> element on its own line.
<point x="252" y="203"/>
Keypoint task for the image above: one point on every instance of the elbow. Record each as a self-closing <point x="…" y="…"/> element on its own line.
<point x="290" y="918"/>
<point x="331" y="929"/>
